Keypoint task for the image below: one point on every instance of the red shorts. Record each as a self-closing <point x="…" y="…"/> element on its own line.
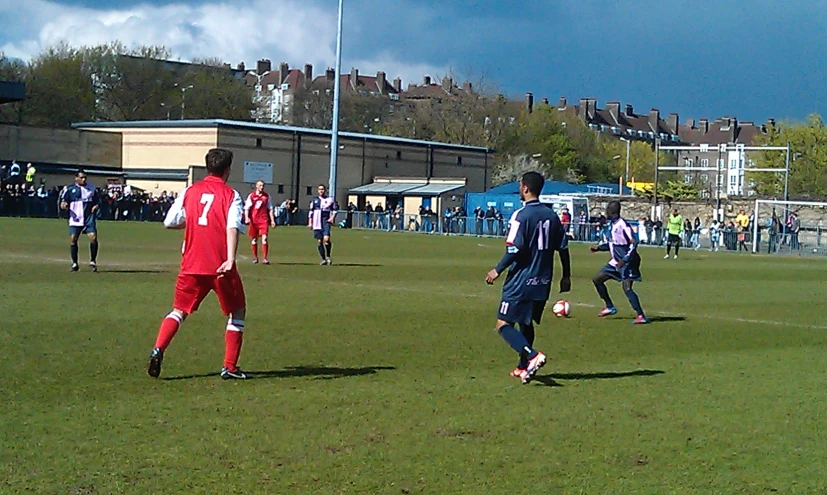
<point x="258" y="229"/>
<point x="190" y="290"/>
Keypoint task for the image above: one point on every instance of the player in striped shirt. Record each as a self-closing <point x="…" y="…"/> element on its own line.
<point x="320" y="219"/>
<point x="82" y="201"/>
<point x="624" y="266"/>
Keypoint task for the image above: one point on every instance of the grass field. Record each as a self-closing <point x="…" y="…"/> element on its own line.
<point x="383" y="375"/>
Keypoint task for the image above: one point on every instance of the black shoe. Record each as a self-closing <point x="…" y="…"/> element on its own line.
<point x="93" y="266"/>
<point x="155" y="360"/>
<point x="74" y="267"/>
<point x="226" y="374"/>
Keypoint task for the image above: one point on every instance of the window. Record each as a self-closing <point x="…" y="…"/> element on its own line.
<point x="459" y="160"/>
<point x="733" y="180"/>
<point x="281" y="188"/>
<point x="258" y="142"/>
<point x="720" y="180"/>
<point x="309" y="190"/>
<point x="720" y="163"/>
<point x="733" y="164"/>
<point x="688" y="162"/>
<point x="687" y="179"/>
<point x="705" y="162"/>
<point x="271" y="87"/>
<point x="704" y="178"/>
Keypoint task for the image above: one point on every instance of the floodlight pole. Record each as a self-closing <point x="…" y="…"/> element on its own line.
<point x="334" y="135"/>
<point x="655" y="188"/>
<point x="787" y="175"/>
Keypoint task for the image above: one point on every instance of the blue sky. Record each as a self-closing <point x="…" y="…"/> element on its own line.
<point x="699" y="58"/>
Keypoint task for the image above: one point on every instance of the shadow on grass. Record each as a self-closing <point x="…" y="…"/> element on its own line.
<point x="317" y="372"/>
<point x="550" y="380"/>
<point x="334" y="265"/>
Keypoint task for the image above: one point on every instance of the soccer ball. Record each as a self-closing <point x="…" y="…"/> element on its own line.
<point x="561" y="309"/>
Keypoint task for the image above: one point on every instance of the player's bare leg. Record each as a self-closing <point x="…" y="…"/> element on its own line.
<point x="93" y="250"/>
<point x="265" y="249"/>
<point x="233" y="338"/>
<point x="254" y="245"/>
<point x="73" y="251"/>
<point x="169" y="327"/>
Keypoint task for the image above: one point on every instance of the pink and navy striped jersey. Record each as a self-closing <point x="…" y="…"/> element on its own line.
<point x="321" y="209"/>
<point x="621" y="242"/>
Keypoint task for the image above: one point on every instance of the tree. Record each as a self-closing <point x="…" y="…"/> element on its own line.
<point x="59" y="88"/>
<point x="808" y="165"/>
<point x="540" y="135"/>
<point x="13" y="70"/>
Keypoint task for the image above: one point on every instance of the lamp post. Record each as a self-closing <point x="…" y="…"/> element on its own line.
<point x="628" y="146"/>
<point x="183" y="98"/>
<point x="334" y="135"/>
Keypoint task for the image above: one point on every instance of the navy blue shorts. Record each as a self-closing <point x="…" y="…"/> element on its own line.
<point x="90" y="227"/>
<point x="629" y="271"/>
<point x="522" y="312"/>
<point x="324" y="231"/>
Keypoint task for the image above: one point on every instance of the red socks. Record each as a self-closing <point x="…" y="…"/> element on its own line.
<point x="233" y="338"/>
<point x="168" y="329"/>
<point x="255" y="250"/>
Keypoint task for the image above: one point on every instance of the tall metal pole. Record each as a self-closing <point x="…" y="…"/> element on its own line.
<point x="655" y="191"/>
<point x="787" y="175"/>
<point x="626" y="177"/>
<point x="718" y="185"/>
<point x="334" y="136"/>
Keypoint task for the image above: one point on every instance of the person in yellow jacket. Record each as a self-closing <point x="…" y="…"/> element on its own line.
<point x="674" y="225"/>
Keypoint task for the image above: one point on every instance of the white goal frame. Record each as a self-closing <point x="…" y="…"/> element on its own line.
<point x="785" y="204"/>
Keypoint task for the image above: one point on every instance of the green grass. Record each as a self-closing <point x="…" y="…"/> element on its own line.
<point x="383" y="375"/>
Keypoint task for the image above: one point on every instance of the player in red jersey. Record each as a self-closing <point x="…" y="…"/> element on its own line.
<point x="258" y="214"/>
<point x="212" y="215"/>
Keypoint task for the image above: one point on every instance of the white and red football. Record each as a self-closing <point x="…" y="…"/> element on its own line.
<point x="561" y="309"/>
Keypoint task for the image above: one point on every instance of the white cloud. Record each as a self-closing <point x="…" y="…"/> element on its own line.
<point x="293" y="31"/>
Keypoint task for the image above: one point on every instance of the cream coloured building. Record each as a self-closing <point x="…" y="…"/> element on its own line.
<point x="169" y="155"/>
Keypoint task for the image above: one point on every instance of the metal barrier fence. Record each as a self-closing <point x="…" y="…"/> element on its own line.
<point x="811" y="239"/>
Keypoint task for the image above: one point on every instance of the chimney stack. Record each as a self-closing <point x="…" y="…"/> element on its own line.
<point x="397" y="85"/>
<point x="563" y="103"/>
<point x="672" y="123"/>
<point x="545" y="101"/>
<point x="308" y="73"/>
<point x="690" y="123"/>
<point x="263" y="66"/>
<point x="330" y="75"/>
<point x="629" y="110"/>
<point x="354" y="77"/>
<point x="529" y="102"/>
<point x="654" y="120"/>
<point x="583" y="109"/>
<point x="381" y="80"/>
<point x="241" y="66"/>
<point x="426" y="80"/>
<point x="614" y="109"/>
<point x="284" y="69"/>
<point x="447" y="84"/>
<point x="703" y="125"/>
<point x="733" y="129"/>
<point x="591" y="109"/>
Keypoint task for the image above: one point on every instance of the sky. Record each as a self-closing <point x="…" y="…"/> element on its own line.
<point x="698" y="58"/>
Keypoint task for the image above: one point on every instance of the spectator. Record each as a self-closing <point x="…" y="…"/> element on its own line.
<point x="795" y="227"/>
<point x="30" y="173"/>
<point x="696" y="233"/>
<point x="714" y="235"/>
<point x="490" y="214"/>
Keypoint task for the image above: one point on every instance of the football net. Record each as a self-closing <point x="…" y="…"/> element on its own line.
<point x="789" y="227"/>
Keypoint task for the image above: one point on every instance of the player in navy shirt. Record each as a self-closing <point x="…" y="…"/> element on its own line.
<point x="535" y="233"/>
<point x="321" y="217"/>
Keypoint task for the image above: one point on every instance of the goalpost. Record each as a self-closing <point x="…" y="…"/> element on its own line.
<point x="781" y="226"/>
